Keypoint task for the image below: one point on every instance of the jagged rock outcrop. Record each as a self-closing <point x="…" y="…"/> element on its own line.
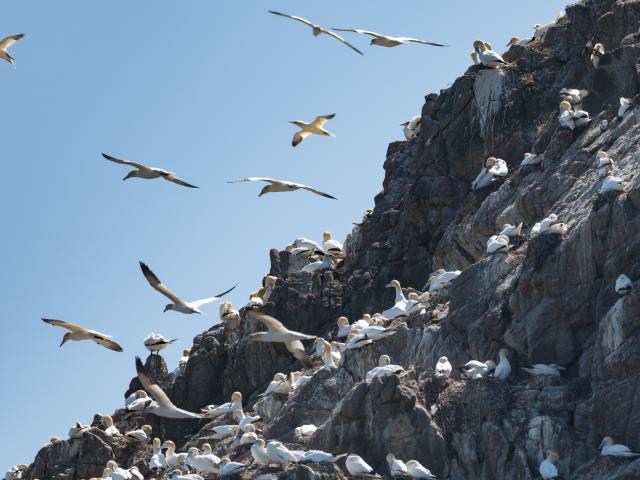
<point x="550" y="299"/>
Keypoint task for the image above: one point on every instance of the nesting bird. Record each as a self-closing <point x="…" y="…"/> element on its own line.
<point x="531" y="159"/>
<point x="109" y="428"/>
<point x="623" y="284"/>
<point x="549" y="225"/>
<point x="475" y="370"/>
<point x="142" y="434"/>
<point x="356" y="466"/>
<point x="400" y="306"/>
<point x="492" y="169"/>
<point x="612" y="184"/>
<point x="497" y="244"/>
<point x="486" y="56"/>
<point x="626" y="105"/>
<point x="184" y="359"/>
<point x="503" y="369"/>
<point x="157" y="460"/>
<point x="384" y="368"/>
<point x="396" y="466"/>
<point x="609" y="448"/>
<point x="572" y="119"/>
<point x="411" y="128"/>
<point x="542" y="369"/>
<point x="213" y="411"/>
<point x="229" y="316"/>
<point x="519" y="41"/>
<point x="596" y="54"/>
<point x="443" y="368"/>
<point x="573" y="95"/>
<point x="441" y="279"/>
<point x="604" y="164"/>
<point x="511" y="230"/>
<point x="548" y="469"/>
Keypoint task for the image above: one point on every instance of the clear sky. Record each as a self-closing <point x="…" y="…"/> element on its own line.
<point x="203" y="88"/>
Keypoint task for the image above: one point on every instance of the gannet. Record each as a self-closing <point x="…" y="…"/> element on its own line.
<point x="5" y="43"/>
<point x="396" y="466"/>
<point x="503" y="369"/>
<point x="109" y="428"/>
<point x="77" y="429"/>
<point x="497" y="244"/>
<point x="492" y="169"/>
<point x="135" y="472"/>
<point x="202" y="463"/>
<point x="142" y="434"/>
<point x="307" y="243"/>
<point x="356" y="466"/>
<point x="259" y="453"/>
<point x="511" y="230"/>
<point x="118" y="473"/>
<point x="54" y="440"/>
<point x="249" y="436"/>
<point x="305" y="431"/>
<point x="230" y="316"/>
<point x="154" y="342"/>
<point x="269" y="284"/>
<point x="298" y="380"/>
<point x="549" y="225"/>
<point x="318" y="456"/>
<point x="519" y="41"/>
<point x="177" y="305"/>
<point x="474" y="57"/>
<point x="609" y="448"/>
<point x="384" y="368"/>
<point x="542" y="369"/>
<point x="320" y="266"/>
<point x="596" y="54"/>
<point x="401" y="306"/>
<point x="387" y="41"/>
<point x="441" y="279"/>
<point x="416" y="470"/>
<point x="603" y="163"/>
<point x="163" y="406"/>
<point x="623" y="284"/>
<point x="327" y="355"/>
<point x="182" y="363"/>
<point x="317" y="29"/>
<point x="332" y="246"/>
<point x="475" y="369"/>
<point x="548" y="469"/>
<point x="16" y="472"/>
<point x="316" y="127"/>
<point x="242" y="419"/>
<point x="371" y="333"/>
<point x="531" y="159"/>
<point x="281" y="186"/>
<point x="148" y="173"/>
<point x="278" y="333"/>
<point x="255" y="299"/>
<point x="279" y="384"/>
<point x="487" y="57"/>
<point x="173" y="459"/>
<point x="573" y="95"/>
<point x="78" y="333"/>
<point x="412" y="127"/>
<point x="625" y="106"/>
<point x="138" y="394"/>
<point x="570" y="118"/>
<point x="227" y="467"/>
<point x="443" y="367"/>
<point x="280" y="454"/>
<point x="178" y="475"/>
<point x="106" y="474"/>
<point x="157" y="460"/>
<point x="344" y="328"/>
<point x="359" y="342"/>
<point x="224" y="431"/>
<point x="214" y="411"/>
<point x="612" y="184"/>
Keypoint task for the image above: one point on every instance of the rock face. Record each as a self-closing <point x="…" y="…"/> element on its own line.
<point x="550" y="299"/>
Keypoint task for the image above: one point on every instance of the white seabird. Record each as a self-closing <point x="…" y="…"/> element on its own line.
<point x="441" y="279"/>
<point x="135" y="472"/>
<point x="259" y="453"/>
<point x="411" y="128"/>
<point x="475" y="370"/>
<point x="148" y="173"/>
<point x="596" y="54"/>
<point x="317" y="29"/>
<point x="178" y="475"/>
<point x="202" y="462"/>
<point x="573" y="95"/>
<point x="384" y="368"/>
<point x="214" y="411"/>
<point x="78" y="333"/>
<point x="278" y="333"/>
<point x="269" y="284"/>
<point x="611" y="449"/>
<point x="604" y="164"/>
<point x="227" y="467"/>
<point x="570" y="118"/>
<point x="519" y="41"/>
<point x="623" y="284"/>
<point x="400" y="305"/>
<point x="184" y="359"/>
<point x="280" y="454"/>
<point x="487" y="57"/>
<point x="326" y="263"/>
<point x="503" y="369"/>
<point x="178" y="305"/>
<point x="511" y="230"/>
<point x="474" y="57"/>
<point x="319" y="456"/>
<point x="298" y="380"/>
<point x="164" y="407"/>
<point x="244" y="420"/>
<point x="625" y="106"/>
<point x="281" y="186"/>
<point x="118" y="473"/>
<point x="142" y="434"/>
<point x="154" y="342"/>
<point x="344" y="328"/>
<point x="249" y="437"/>
<point x="305" y="431"/>
<point x="280" y="384"/>
<point x="356" y="466"/>
<point x="492" y="169"/>
<point x="316" y="127"/>
<point x="443" y="367"/>
<point x="531" y="159"/>
<point x="549" y="225"/>
<point x="229" y="315"/>
<point x="386" y="40"/>
<point x="224" y="431"/>
<point x="543" y="369"/>
<point x="612" y="184"/>
<point x="109" y="428"/>
<point x="157" y="460"/>
<point x="173" y="459"/>
<point x="548" y="469"/>
<point x="331" y="245"/>
<point x="5" y="43"/>
<point x="328" y="356"/>
<point x="371" y="333"/>
<point x="497" y="244"/>
<point x="77" y="429"/>
<point x="396" y="466"/>
<point x="416" y="470"/>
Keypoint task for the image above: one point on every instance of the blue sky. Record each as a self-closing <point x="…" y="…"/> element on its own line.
<point x="205" y="89"/>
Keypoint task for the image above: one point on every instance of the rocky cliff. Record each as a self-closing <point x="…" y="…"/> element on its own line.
<point x="550" y="299"/>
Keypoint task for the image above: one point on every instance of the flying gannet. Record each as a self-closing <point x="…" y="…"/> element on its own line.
<point x="182" y="363"/>
<point x="148" y="173"/>
<point x="396" y="466"/>
<point x="154" y="342"/>
<point x="384" y="368"/>
<point x="213" y="411"/>
<point x="109" y="428"/>
<point x="317" y="29"/>
<point x="475" y="370"/>
<point x="163" y="406"/>
<point x="531" y="159"/>
<point x="625" y="106"/>
<point x="596" y="54"/>
<point x="356" y="466"/>
<point x="503" y="369"/>
<point x="511" y="230"/>
<point x="609" y="448"/>
<point x="259" y="452"/>
<point x="542" y="369"/>
<point x="387" y="41"/>
<point x="5" y="43"/>
<point x="416" y="470"/>
<point x="316" y="127"/>
<point x="441" y="279"/>
<point x="78" y="333"/>
<point x="157" y="460"/>
<point x="202" y="462"/>
<point x="612" y="184"/>
<point x="548" y="469"/>
<point x="443" y="367"/>
<point x="412" y="127"/>
<point x="278" y="333"/>
<point x="281" y="186"/>
<point x="623" y="284"/>
<point x="142" y="434"/>
<point x="178" y="305"/>
<point x="492" y="169"/>
<point x="487" y="57"/>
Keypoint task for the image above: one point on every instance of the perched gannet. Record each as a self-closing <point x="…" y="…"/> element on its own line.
<point x="503" y="369"/>
<point x="227" y="467"/>
<point x="77" y="429"/>
<point x="224" y="431"/>
<point x="154" y="342"/>
<point x="214" y="411"/>
<point x="269" y="284"/>
<point x="441" y="279"/>
<point x="244" y="420"/>
<point x="118" y="473"/>
<point x="16" y="472"/>
<point x="344" y="328"/>
<point x="612" y="184"/>
<point x="623" y="284"/>
<point x="548" y="469"/>
<point x="278" y="333"/>
<point x="416" y="470"/>
<point x="305" y="431"/>
<point x="55" y="439"/>
<point x="387" y="41"/>
<point x="148" y="173"/>
<point x="412" y="127"/>
<point x="135" y="472"/>
<point x="182" y="363"/>
<point x="511" y="230"/>
<point x="5" y="43"/>
<point x="316" y="127"/>
<point x="326" y="263"/>
<point x="487" y="57"/>
<point x="163" y="406"/>
<point x="371" y="333"/>
<point x="542" y="369"/>
<point x="318" y="456"/>
<point x="401" y="306"/>
<point x="356" y="466"/>
<point x="443" y="367"/>
<point x="178" y="475"/>
<point x="531" y="159"/>
<point x="177" y="305"/>
<point x="138" y="394"/>
<point x="142" y="434"/>
<point x="173" y="459"/>
<point x="549" y="225"/>
<point x="327" y="355"/>
<point x="573" y="95"/>
<point x="229" y="316"/>
<point x="625" y="106"/>
<point x="157" y="460"/>
<point x="596" y="54"/>
<point x="396" y="466"/>
<point x="475" y="369"/>
<point x="384" y="368"/>
<point x="331" y="245"/>
<point x="604" y="164"/>
<point x="570" y="118"/>
<point x="109" y="428"/>
<point x="281" y="186"/>
<point x="249" y="436"/>
<point x="355" y="340"/>
<point x="317" y="29"/>
<point x="259" y="453"/>
<point x="205" y="463"/>
<point x="279" y="384"/>
<point x="298" y="380"/>
<point x="492" y="169"/>
<point x="78" y="333"/>
<point x="611" y="449"/>
<point x="106" y="475"/>
<point x="497" y="244"/>
<point x="519" y="41"/>
<point x="280" y="454"/>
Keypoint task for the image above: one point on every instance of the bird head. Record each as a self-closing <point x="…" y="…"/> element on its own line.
<point x="131" y="174"/>
<point x="606" y="441"/>
<point x="326" y="235"/>
<point x="391" y="458"/>
<point x="443" y="359"/>
<point x="168" y="306"/>
<point x="146" y="429"/>
<point x="65" y="338"/>
<point x="478" y="46"/>
<point x="564" y="105"/>
<point x="490" y="162"/>
<point x="298" y="123"/>
<point x="393" y="284"/>
<point x="513" y="41"/>
<point x="374" y="41"/>
<point x="236" y="396"/>
<point x="343" y="321"/>
<point x="384" y="360"/>
<point x="265" y="189"/>
<point x="491" y="365"/>
<point x="553" y="456"/>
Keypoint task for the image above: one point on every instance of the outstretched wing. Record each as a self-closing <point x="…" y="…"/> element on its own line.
<point x="297" y="350"/>
<point x="335" y="35"/>
<point x="137" y="165"/>
<point x="293" y="17"/>
<point x="320" y="120"/>
<point x="204" y="301"/>
<point x="417" y="40"/>
<point x="298" y="137"/>
<point x="8" y="41"/>
<point x="68" y="325"/>
<point x="172" y="178"/>
<point x="269" y="322"/>
<point x="105" y="342"/>
<point x="158" y="285"/>
<point x="151" y="386"/>
<point x="314" y="190"/>
<point x="253" y="179"/>
<point x="357" y="30"/>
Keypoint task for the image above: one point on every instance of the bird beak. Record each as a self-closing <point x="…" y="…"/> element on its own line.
<point x="63" y="341"/>
<point x="165" y="309"/>
<point x="260" y="194"/>
<point x="388" y="285"/>
<point x="292" y="122"/>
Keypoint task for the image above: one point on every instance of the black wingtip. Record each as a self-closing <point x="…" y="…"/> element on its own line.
<point x="139" y="366"/>
<point x="145" y="269"/>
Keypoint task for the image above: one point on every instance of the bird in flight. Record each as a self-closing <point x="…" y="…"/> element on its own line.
<point x="78" y="333"/>
<point x="178" y="305"/>
<point x="315" y="127"/>
<point x="386" y="40"/>
<point x="317" y="29"/>
<point x="6" y="43"/>
<point x="148" y="173"/>
<point x="281" y="186"/>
